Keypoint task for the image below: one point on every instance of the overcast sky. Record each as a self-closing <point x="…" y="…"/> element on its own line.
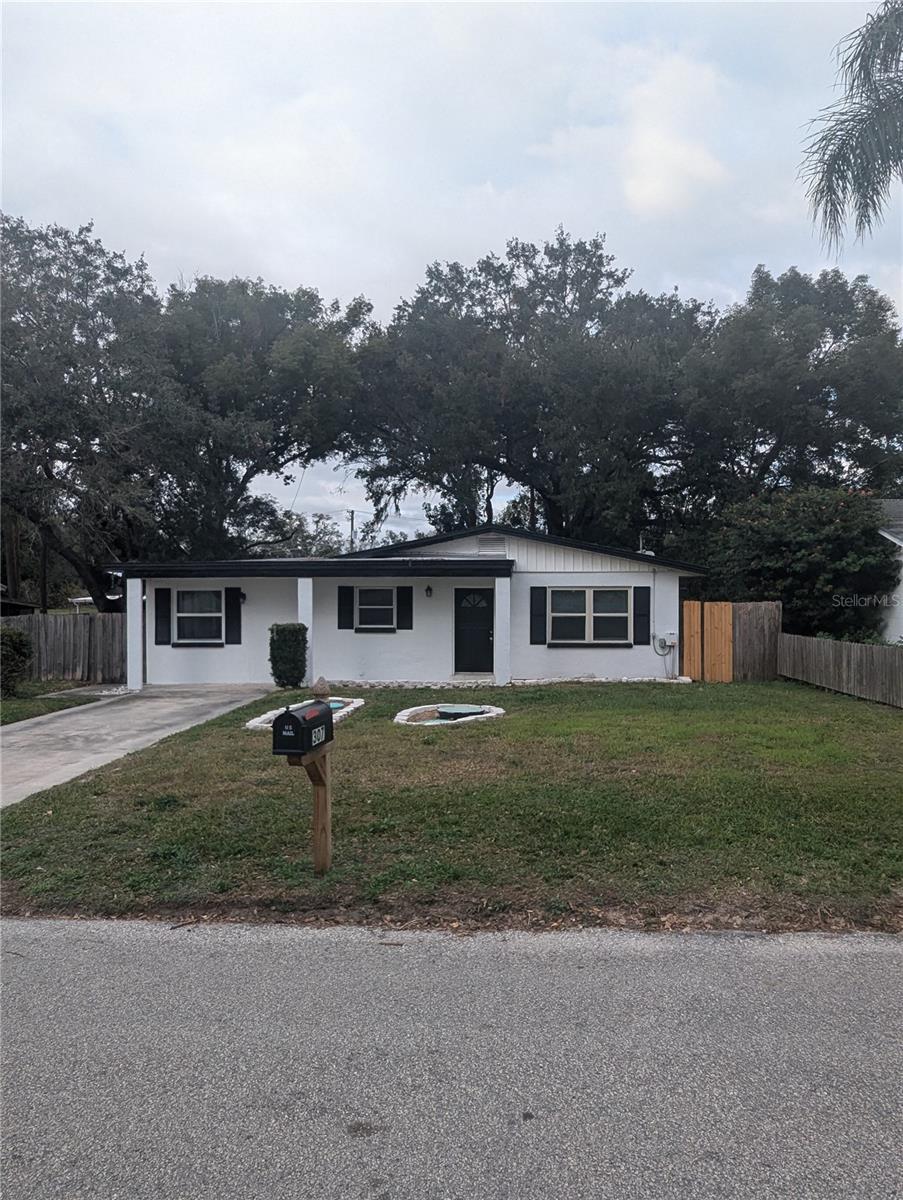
<point x="346" y="146"/>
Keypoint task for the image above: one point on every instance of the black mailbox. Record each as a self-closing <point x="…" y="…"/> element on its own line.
<point x="304" y="730"/>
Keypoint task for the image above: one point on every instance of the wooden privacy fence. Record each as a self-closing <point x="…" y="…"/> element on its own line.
<point x="857" y="668"/>
<point x="87" y="647"/>
<point x="723" y="642"/>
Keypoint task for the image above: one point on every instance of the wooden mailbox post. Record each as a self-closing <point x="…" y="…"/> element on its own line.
<point x="290" y="732"/>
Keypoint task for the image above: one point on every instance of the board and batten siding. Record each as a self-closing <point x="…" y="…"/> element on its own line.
<point x="529" y="555"/>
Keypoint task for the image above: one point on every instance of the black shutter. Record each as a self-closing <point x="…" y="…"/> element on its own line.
<point x="404" y="608"/>
<point x="346" y="608"/>
<point x="162" y="616"/>
<point x="537" y="616"/>
<point x="233" y="616"/>
<point x="641" y="616"/>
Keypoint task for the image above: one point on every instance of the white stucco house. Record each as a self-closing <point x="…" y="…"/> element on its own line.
<point x="892" y="529"/>
<point x="490" y="604"/>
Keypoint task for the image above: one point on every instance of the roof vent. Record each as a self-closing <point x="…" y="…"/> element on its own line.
<point x="491" y="544"/>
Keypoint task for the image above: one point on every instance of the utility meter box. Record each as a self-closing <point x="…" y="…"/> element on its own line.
<point x="304" y="730"/>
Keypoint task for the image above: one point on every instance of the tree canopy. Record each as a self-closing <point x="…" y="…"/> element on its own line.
<point x="142" y="426"/>
<point x="619" y="414"/>
<point x="135" y="428"/>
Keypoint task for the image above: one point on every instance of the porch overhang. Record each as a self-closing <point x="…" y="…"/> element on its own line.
<point x="321" y="568"/>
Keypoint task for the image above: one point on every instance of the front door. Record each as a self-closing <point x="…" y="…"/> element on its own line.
<point x="473" y="629"/>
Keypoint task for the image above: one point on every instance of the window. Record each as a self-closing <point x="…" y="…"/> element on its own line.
<point x="199" y="615"/>
<point x="375" y="608"/>
<point x="589" y="615"/>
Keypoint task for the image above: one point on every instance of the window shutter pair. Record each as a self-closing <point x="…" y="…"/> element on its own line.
<point x="163" y="616"/>
<point x="642" y="602"/>
<point x="404" y="608"/>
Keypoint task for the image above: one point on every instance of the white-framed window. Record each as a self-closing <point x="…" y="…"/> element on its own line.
<point x="199" y="615"/>
<point x="591" y="614"/>
<point x="374" y="608"/>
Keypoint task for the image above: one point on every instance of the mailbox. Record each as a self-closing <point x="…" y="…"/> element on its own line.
<point x="304" y="730"/>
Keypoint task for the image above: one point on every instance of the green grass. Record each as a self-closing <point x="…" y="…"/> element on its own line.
<point x="771" y="805"/>
<point x="31" y="700"/>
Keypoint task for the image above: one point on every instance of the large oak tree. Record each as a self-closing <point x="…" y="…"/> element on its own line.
<point x="137" y="429"/>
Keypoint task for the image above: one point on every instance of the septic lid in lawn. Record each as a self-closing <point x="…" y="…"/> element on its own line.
<point x="451" y="712"/>
<point x="447" y="714"/>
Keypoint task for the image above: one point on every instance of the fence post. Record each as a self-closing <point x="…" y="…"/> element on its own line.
<point x="691" y="640"/>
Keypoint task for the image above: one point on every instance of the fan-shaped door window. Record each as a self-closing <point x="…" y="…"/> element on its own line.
<point x="473" y="630"/>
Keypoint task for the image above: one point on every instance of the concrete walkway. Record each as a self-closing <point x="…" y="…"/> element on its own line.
<point x="44" y="751"/>
<point x="234" y="1062"/>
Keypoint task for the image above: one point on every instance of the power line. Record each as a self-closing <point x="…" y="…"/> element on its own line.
<point x="298" y="489"/>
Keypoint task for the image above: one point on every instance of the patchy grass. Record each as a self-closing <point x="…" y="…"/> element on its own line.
<point x="761" y="806"/>
<point x="32" y="700"/>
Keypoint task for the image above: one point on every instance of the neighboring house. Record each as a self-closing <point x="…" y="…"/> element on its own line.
<point x="87" y="602"/>
<point x="488" y="603"/>
<point x="15" y="606"/>
<point x="892" y="529"/>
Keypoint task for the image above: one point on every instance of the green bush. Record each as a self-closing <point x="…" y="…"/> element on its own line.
<point x="15" y="655"/>
<point x="817" y="550"/>
<point x="288" y="654"/>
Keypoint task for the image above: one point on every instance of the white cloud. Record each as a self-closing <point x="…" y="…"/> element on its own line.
<point x="667" y="165"/>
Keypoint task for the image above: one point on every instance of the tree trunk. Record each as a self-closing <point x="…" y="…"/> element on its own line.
<point x="43" y="574"/>
<point x="556" y="521"/>
<point x="92" y="575"/>
<point x="11" y="553"/>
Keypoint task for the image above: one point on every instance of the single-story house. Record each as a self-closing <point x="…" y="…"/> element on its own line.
<point x="892" y="529"/>
<point x="491" y="603"/>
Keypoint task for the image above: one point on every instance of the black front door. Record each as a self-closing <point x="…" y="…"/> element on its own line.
<point x="473" y="629"/>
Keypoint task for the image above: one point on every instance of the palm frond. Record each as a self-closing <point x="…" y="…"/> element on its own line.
<point x="856" y="149"/>
<point x="852" y="159"/>
<point x="873" y="51"/>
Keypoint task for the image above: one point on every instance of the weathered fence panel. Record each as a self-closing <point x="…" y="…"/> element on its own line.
<point x="757" y="628"/>
<point x="856" y="668"/>
<point x="86" y="647"/>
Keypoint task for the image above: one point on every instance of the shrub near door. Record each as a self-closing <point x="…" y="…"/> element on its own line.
<point x="288" y="654"/>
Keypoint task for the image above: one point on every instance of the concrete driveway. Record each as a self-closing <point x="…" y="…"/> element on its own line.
<point x="44" y="751"/>
<point x="230" y="1062"/>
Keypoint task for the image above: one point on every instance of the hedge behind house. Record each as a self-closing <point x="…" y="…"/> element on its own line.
<point x="288" y="654"/>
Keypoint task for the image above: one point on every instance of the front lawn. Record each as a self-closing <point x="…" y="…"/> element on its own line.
<point x="32" y="700"/>
<point x="753" y="806"/>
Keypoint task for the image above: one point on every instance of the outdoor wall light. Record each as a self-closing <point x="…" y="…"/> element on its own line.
<point x="429" y="590"/>
<point x="242" y="597"/>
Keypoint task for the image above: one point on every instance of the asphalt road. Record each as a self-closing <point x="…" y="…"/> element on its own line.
<point x="44" y="751"/>
<point x="212" y="1063"/>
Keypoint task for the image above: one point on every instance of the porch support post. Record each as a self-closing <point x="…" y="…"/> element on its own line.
<point x="134" y="634"/>
<point x="306" y="617"/>
<point x="502" y="634"/>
